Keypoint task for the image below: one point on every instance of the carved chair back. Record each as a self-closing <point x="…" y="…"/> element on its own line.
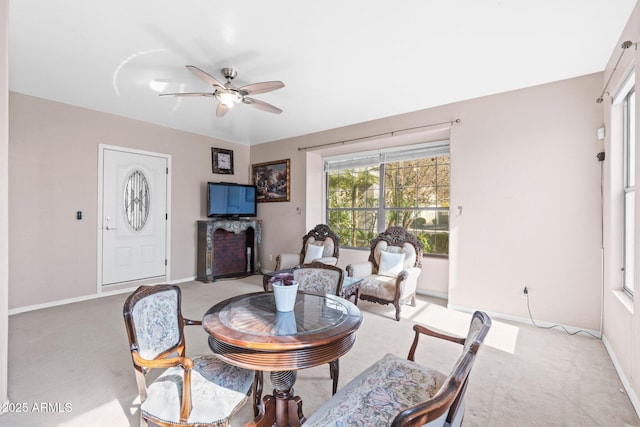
<point x="396" y="240"/>
<point x="321" y="235"/>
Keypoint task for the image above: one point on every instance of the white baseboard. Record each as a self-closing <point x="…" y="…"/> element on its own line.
<point x="625" y="382"/>
<point x="432" y="294"/>
<point x="525" y="320"/>
<point x="50" y="304"/>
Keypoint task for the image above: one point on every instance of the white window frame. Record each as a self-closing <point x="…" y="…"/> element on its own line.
<point x="378" y="158"/>
<point x="625" y="98"/>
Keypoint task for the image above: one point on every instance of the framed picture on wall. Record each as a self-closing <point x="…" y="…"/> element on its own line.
<point x="272" y="180"/>
<point x="222" y="161"/>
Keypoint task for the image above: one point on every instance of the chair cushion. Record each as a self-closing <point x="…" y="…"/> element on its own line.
<point x="313" y="252"/>
<point x="409" y="251"/>
<point x="378" y="394"/>
<point x="391" y="264"/>
<point x="328" y="245"/>
<point x="218" y="390"/>
<point x="383" y="287"/>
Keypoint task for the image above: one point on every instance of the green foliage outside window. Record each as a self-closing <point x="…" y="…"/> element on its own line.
<point x="413" y="194"/>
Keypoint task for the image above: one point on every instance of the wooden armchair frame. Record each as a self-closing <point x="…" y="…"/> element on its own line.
<point x="320" y="233"/>
<point x="142" y="366"/>
<point x="393" y="236"/>
<point x="443" y="406"/>
<point x="166" y="359"/>
<point x="451" y="394"/>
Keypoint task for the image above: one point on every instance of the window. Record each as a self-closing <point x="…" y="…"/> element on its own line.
<point x="629" y="126"/>
<point x="409" y="188"/>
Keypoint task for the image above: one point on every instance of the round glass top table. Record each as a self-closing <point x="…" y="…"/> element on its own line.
<point x="249" y="332"/>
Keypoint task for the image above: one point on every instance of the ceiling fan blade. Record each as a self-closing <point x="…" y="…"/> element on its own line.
<point x="261" y="105"/>
<point x="204" y="76"/>
<point x="221" y="110"/>
<point x="187" y="94"/>
<point x="263" y="87"/>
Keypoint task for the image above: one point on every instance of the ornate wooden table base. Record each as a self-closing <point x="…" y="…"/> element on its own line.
<point x="282" y="407"/>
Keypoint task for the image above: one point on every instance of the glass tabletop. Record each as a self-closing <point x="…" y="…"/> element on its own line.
<point x="256" y="314"/>
<point x="248" y="331"/>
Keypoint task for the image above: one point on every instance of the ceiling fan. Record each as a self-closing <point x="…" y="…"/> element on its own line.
<point x="228" y="95"/>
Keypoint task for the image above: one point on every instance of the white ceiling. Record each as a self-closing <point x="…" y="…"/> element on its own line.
<point x="342" y="62"/>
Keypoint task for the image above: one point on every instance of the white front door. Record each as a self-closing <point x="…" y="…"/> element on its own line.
<point x="134" y="216"/>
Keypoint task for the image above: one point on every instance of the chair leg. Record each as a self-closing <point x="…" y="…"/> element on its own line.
<point x="334" y="373"/>
<point x="397" y="311"/>
<point x="257" y="392"/>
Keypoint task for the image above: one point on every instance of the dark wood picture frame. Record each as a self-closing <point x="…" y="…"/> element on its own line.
<point x="222" y="161"/>
<point x="273" y="180"/>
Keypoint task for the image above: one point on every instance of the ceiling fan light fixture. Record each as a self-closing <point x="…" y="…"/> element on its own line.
<point x="229" y="95"/>
<point x="158" y="85"/>
<point x="228" y="98"/>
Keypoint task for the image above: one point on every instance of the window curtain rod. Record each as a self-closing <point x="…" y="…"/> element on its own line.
<point x="392" y="133"/>
<point x="625" y="45"/>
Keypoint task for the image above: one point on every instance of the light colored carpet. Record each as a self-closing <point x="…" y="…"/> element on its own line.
<point x="77" y="355"/>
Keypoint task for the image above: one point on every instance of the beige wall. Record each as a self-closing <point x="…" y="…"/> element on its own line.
<point x="4" y="187"/>
<point x="53" y="155"/>
<point x="524" y="171"/>
<point x="621" y="320"/>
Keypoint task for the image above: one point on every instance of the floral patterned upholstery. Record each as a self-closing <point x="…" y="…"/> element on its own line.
<point x="378" y="394"/>
<point x="155" y="319"/>
<point x="399" y="392"/>
<point x="320" y="281"/>
<point x="218" y="390"/>
<point x="155" y="328"/>
<point x="383" y="287"/>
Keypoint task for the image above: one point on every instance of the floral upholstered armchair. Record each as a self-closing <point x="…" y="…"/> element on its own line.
<point x="391" y="274"/>
<point x="400" y="392"/>
<point x="320" y="244"/>
<point x="201" y="390"/>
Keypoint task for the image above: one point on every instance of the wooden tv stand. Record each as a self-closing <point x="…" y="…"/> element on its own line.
<point x="228" y="248"/>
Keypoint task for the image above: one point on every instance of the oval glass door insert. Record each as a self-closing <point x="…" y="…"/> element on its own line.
<point x="136" y="200"/>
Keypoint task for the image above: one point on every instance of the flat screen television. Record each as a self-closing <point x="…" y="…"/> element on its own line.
<point x="226" y="199"/>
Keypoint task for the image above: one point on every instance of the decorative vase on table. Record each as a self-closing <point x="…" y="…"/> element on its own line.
<point x="285" y="294"/>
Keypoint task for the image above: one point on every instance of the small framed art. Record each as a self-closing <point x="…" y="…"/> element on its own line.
<point x="222" y="161"/>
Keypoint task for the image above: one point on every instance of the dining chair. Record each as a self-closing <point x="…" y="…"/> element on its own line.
<point x="399" y="392"/>
<point x="320" y="279"/>
<point x="192" y="391"/>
